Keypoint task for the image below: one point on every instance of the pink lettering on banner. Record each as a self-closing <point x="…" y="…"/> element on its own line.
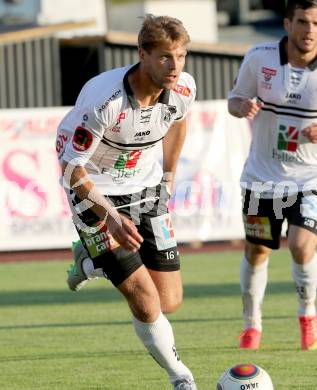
<point x="65" y="210"/>
<point x="208" y="119"/>
<point x="24" y="184"/>
<point x="15" y="128"/>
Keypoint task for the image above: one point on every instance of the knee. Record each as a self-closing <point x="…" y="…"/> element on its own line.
<point x="301" y="253"/>
<point x="170" y="303"/>
<point x="145" y="306"/>
<point x="256" y="254"/>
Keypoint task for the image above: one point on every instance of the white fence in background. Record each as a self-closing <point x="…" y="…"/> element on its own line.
<point x="206" y="202"/>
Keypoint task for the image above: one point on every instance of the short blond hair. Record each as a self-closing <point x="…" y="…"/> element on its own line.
<point x="157" y="30"/>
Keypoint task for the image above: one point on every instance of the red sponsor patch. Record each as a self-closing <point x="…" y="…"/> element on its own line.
<point x="182" y="90"/>
<point x="121" y="117"/>
<point x="269" y="71"/>
<point x="82" y="139"/>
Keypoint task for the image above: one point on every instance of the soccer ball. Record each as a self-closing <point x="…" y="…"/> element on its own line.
<point x="245" y="377"/>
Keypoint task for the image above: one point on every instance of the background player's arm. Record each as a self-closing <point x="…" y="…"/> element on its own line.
<point x="243" y="107"/>
<point x="310" y="133"/>
<point x="172" y="147"/>
<point x="122" y="229"/>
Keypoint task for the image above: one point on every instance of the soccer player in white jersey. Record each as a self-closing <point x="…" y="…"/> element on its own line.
<point x="276" y="88"/>
<point x="108" y="147"/>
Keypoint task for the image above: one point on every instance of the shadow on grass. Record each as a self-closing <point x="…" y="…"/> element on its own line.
<point x="55" y="297"/>
<point x="221" y="320"/>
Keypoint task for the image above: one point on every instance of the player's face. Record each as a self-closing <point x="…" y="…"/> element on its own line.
<point x="302" y="30"/>
<point x="164" y="64"/>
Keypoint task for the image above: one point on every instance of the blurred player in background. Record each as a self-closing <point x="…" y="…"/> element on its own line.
<point x="108" y="146"/>
<point x="277" y="88"/>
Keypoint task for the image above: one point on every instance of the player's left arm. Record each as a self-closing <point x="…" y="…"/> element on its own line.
<point x="172" y="146"/>
<point x="310" y="132"/>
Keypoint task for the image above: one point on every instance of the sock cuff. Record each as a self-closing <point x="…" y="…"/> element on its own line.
<point x="259" y="267"/>
<point x="310" y="266"/>
<point x="147" y="328"/>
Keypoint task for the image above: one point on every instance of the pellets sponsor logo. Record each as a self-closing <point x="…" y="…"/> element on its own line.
<point x="127" y="160"/>
<point x="82" y="139"/>
<point x="287" y="138"/>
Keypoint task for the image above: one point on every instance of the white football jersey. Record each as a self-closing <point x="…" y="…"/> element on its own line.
<point x="118" y="142"/>
<point x="279" y="152"/>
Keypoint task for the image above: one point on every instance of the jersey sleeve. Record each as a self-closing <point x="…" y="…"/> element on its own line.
<point x="88" y="122"/>
<point x="245" y="85"/>
<point x="187" y="91"/>
<point x="192" y="97"/>
<point x="87" y="133"/>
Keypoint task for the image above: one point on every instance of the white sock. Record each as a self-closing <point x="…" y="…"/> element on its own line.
<point x="305" y="277"/>
<point x="158" y="338"/>
<point x="90" y="270"/>
<point x="253" y="282"/>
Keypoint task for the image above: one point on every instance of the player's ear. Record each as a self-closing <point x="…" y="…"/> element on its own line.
<point x="141" y="53"/>
<point x="286" y="24"/>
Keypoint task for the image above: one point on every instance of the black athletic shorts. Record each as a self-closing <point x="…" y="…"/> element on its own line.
<point x="263" y="218"/>
<point x="148" y="210"/>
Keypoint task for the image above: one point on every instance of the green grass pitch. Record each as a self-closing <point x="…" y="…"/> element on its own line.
<point x="52" y="338"/>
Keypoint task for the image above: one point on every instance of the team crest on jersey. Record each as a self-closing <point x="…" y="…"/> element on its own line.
<point x="170" y="111"/>
<point x="82" y="139"/>
<point x="268" y="74"/>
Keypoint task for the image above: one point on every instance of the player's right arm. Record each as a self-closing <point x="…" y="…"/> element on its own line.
<point x="121" y="228"/>
<point x="89" y="124"/>
<point x="243" y="107"/>
<point x="241" y="99"/>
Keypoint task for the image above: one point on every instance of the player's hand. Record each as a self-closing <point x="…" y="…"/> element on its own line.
<point x="124" y="231"/>
<point x="310" y="133"/>
<point x="249" y="108"/>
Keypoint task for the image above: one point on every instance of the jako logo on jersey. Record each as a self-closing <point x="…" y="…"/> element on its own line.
<point x="142" y="133"/>
<point x="291" y="95"/>
<point x="287" y="138"/>
<point x="268" y="73"/>
<point x="127" y="160"/>
<point x="82" y="139"/>
<point x="182" y="90"/>
<point x="167" y="228"/>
